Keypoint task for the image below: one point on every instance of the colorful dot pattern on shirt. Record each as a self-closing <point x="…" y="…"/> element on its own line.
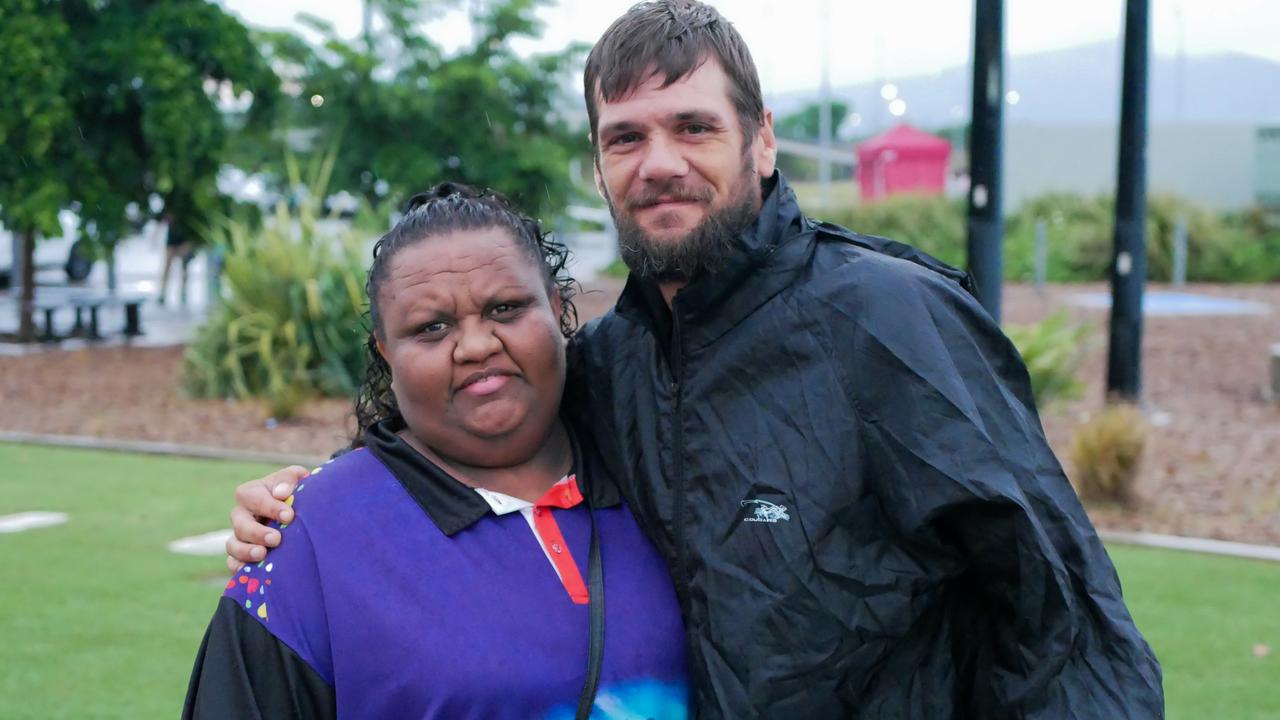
<point x="255" y="586"/>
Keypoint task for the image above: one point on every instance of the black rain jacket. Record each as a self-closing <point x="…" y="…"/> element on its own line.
<point x="837" y="452"/>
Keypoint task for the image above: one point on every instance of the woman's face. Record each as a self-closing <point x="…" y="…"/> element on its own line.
<point x="473" y="339"/>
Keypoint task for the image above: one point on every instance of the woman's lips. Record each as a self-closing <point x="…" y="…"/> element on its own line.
<point x="487" y="385"/>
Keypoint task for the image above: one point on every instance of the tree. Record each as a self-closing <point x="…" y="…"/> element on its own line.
<point x="805" y="124"/>
<point x="35" y="119"/>
<point x="403" y="116"/>
<point x="149" y="78"/>
<point x="106" y="102"/>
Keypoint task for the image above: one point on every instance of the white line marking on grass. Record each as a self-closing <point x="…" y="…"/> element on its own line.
<point x="212" y="543"/>
<point x="30" y="520"/>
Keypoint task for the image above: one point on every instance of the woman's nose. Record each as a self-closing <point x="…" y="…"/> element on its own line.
<point x="476" y="343"/>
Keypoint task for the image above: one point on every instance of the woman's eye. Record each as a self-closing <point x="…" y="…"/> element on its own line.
<point x="434" y="328"/>
<point x="502" y="309"/>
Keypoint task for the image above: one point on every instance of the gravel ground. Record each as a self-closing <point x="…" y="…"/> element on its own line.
<point x="1212" y="467"/>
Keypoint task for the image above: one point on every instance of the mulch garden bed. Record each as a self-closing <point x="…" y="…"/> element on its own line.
<point x="1211" y="469"/>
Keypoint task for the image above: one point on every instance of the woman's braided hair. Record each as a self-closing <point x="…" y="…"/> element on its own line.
<point x="449" y="207"/>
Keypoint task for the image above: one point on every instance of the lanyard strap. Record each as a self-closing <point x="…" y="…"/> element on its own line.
<point x="595" y="612"/>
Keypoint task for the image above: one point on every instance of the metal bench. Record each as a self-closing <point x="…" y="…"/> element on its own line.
<point x="47" y="305"/>
<point x="91" y="303"/>
<point x="88" y="302"/>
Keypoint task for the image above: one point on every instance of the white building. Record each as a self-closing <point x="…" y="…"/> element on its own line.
<point x="1224" y="167"/>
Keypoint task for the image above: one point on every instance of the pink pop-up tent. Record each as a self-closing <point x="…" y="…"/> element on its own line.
<point x="902" y="160"/>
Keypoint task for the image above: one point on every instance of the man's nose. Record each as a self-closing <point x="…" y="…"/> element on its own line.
<point x="663" y="159"/>
<point x="476" y="343"/>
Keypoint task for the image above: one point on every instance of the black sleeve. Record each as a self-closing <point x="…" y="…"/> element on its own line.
<point x="243" y="671"/>
<point x="962" y="465"/>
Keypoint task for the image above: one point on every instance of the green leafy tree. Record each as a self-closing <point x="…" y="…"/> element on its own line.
<point x="404" y="116"/>
<point x="106" y="102"/>
<point x="148" y="79"/>
<point x="806" y="123"/>
<point x="35" y="119"/>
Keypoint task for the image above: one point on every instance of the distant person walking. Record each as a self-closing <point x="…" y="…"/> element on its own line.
<point x="179" y="245"/>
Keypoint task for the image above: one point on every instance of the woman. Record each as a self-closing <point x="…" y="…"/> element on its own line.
<point x="438" y="570"/>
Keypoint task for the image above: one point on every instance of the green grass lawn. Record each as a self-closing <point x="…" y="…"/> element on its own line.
<point x="1204" y="615"/>
<point x="99" y="620"/>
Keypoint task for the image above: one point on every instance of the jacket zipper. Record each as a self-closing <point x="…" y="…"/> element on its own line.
<point x="677" y="390"/>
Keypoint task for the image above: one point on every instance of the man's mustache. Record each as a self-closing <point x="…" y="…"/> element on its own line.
<point x="651" y="194"/>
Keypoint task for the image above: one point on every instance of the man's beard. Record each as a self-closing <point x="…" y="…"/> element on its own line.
<point x="704" y="249"/>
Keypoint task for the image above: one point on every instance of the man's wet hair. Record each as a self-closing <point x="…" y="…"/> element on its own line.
<point x="671" y="39"/>
<point x="446" y="208"/>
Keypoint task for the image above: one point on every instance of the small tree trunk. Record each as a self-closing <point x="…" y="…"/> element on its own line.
<point x="26" y="305"/>
<point x="111" y="269"/>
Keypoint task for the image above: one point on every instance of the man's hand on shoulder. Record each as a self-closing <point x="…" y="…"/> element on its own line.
<point x="259" y="502"/>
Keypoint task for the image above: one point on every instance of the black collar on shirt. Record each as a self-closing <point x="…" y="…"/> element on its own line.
<point x="762" y="261"/>
<point x="452" y="506"/>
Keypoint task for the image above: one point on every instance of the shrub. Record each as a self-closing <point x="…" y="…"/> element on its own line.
<point x="290" y="324"/>
<point x="1220" y="248"/>
<point x="1107" y="452"/>
<point x="1078" y="231"/>
<point x="1240" y="247"/>
<point x="616" y="269"/>
<point x="933" y="224"/>
<point x="1250" y="251"/>
<point x="1053" y="350"/>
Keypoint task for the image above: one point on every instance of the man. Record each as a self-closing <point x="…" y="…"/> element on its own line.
<point x="834" y="448"/>
<point x="178" y="247"/>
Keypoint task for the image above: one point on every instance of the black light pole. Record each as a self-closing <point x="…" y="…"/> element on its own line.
<point x="986" y="219"/>
<point x="1129" y="261"/>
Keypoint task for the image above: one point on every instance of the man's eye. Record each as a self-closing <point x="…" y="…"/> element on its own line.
<point x="696" y="129"/>
<point x="505" y="309"/>
<point x="625" y="139"/>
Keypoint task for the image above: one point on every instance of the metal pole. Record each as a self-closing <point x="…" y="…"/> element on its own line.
<point x="1042" y="256"/>
<point x="986" y="219"/>
<point x="366" y="26"/>
<point x="1129" y="262"/>
<point x="1179" y="84"/>
<point x="824" y="109"/>
<point x="1180" y="253"/>
<point x="1275" y="372"/>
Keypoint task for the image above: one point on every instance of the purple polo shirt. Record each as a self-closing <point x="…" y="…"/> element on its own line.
<point x="406" y="594"/>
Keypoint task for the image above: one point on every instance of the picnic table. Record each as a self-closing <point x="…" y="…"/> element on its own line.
<point x="88" y="303"/>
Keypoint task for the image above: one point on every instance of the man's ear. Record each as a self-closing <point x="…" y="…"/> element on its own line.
<point x="765" y="146"/>
<point x="595" y="170"/>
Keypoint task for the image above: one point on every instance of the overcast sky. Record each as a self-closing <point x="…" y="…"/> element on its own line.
<point x="868" y="39"/>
